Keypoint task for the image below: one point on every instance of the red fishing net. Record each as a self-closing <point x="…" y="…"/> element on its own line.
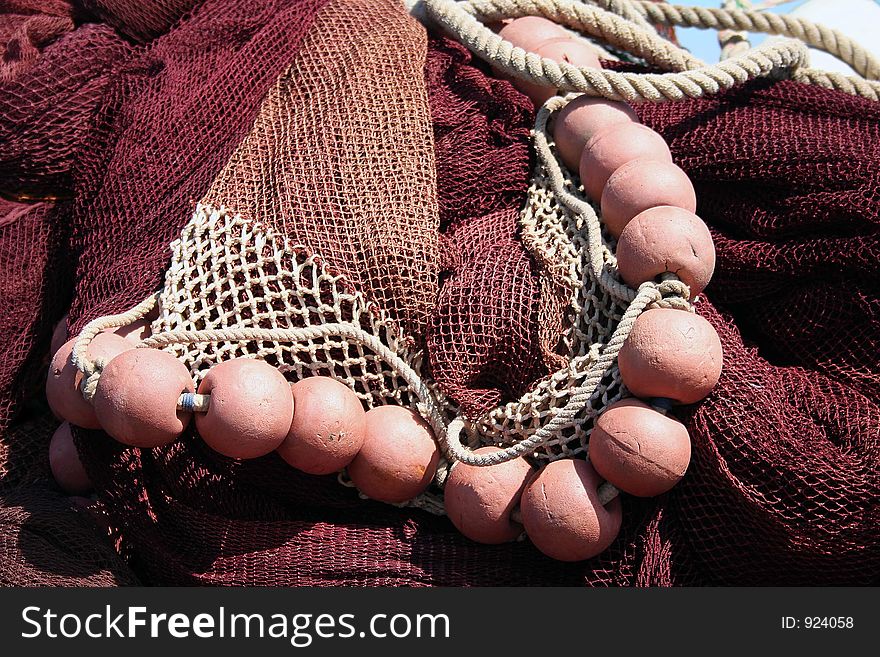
<point x="112" y="129"/>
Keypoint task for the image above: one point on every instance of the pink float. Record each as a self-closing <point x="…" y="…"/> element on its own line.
<point x="642" y="184"/>
<point x="136" y="398"/>
<point x="529" y="32"/>
<point x="671" y="353"/>
<point x="479" y="500"/>
<point x="328" y="428"/>
<point x="610" y="149"/>
<point x="59" y="335"/>
<point x="250" y="411"/>
<point x="63" y="383"/>
<point x="582" y="119"/>
<point x="638" y="449"/>
<point x="399" y="456"/>
<point x="136" y="331"/>
<point x="562" y="514"/>
<point x="65" y="464"/>
<point x="666" y="240"/>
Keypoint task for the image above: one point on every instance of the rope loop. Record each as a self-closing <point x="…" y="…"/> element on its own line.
<point x="688" y="77"/>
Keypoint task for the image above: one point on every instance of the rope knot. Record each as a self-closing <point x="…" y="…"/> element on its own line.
<point x="90" y="378"/>
<point x="670" y="293"/>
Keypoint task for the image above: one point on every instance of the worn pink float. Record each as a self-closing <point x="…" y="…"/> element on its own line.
<point x="250" y="411"/>
<point x="582" y="119"/>
<point x="136" y="398"/>
<point x="328" y="429"/>
<point x="639" y="450"/>
<point x="399" y="456"/>
<point x="480" y="501"/>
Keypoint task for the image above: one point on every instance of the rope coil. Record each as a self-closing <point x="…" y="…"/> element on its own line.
<point x="690" y="77"/>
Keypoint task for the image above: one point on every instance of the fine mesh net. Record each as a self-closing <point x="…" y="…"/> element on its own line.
<point x="317" y="169"/>
<point x="783" y="487"/>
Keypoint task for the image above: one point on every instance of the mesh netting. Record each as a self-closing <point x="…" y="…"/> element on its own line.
<point x="783" y="487"/>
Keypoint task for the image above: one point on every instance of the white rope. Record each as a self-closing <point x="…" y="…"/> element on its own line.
<point x="691" y="78"/>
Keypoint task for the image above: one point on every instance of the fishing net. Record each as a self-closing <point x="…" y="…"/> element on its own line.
<point x="371" y="191"/>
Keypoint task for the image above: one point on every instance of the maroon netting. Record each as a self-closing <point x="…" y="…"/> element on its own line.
<point x="785" y="483"/>
<point x="139" y="21"/>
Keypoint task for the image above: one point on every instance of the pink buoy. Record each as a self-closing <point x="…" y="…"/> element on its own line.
<point x="399" y="456"/>
<point x="639" y="450"/>
<point x="642" y="184"/>
<point x="562" y="50"/>
<point x="63" y="383"/>
<point x="251" y="408"/>
<point x="666" y="240"/>
<point x="328" y="428"/>
<point x="59" y="335"/>
<point x="529" y="32"/>
<point x="140" y="329"/>
<point x="563" y="515"/>
<point x="479" y="500"/>
<point x="671" y="353"/>
<point x="136" y="331"/>
<point x="136" y="398"/>
<point x="582" y="119"/>
<point x="610" y="149"/>
<point x="64" y="461"/>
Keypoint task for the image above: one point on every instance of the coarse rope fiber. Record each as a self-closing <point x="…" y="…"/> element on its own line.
<point x="689" y="76"/>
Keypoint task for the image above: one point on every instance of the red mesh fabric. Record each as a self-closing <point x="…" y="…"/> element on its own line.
<point x="139" y="21"/>
<point x="481" y="132"/>
<point x="785" y="480"/>
<point x="27" y="27"/>
<point x="135" y="148"/>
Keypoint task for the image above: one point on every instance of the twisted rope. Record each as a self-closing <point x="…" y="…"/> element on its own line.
<point x="91" y="369"/>
<point x="817" y="36"/>
<point x="692" y="79"/>
<point x="734" y="42"/>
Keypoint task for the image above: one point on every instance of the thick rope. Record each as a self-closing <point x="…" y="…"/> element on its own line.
<point x="692" y="79"/>
<point x="91" y="369"/>
<point x="817" y="36"/>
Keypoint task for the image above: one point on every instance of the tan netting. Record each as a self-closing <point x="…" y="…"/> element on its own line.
<point x="316" y="164"/>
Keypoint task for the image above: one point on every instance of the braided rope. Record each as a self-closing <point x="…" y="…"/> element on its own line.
<point x="91" y="369"/>
<point x="692" y="79"/>
<point x="813" y="34"/>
